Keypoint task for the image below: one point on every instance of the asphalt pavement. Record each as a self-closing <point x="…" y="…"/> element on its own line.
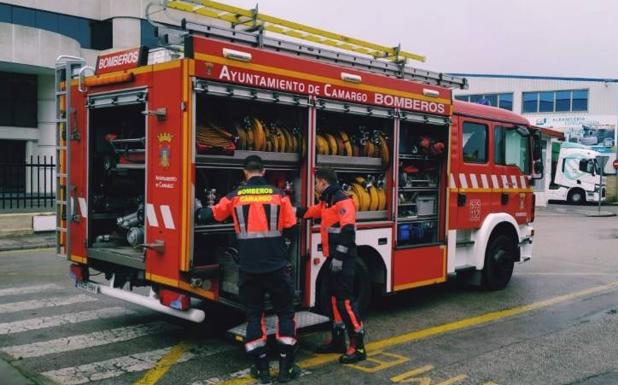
<point x="556" y="323"/>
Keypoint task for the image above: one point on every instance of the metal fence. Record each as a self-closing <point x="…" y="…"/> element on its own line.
<point x="28" y="185"/>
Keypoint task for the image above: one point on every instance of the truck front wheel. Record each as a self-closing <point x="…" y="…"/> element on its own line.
<point x="499" y="262"/>
<point x="576" y="196"/>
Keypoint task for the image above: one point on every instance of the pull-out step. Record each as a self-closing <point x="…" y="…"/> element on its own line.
<point x="304" y="319"/>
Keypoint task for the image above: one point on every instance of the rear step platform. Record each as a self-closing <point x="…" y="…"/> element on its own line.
<point x="304" y="319"/>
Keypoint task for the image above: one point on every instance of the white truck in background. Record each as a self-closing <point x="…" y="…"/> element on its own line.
<point x="576" y="175"/>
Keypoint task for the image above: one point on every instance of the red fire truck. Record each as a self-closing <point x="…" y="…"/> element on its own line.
<point x="442" y="187"/>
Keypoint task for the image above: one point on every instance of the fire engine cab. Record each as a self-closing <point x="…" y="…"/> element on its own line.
<point x="441" y="187"/>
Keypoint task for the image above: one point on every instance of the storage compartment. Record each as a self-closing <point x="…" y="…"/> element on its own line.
<point x="226" y="125"/>
<point x="421" y="184"/>
<point x="416" y="233"/>
<point x="116" y="184"/>
<point x="358" y="147"/>
<point x="353" y="141"/>
<point x="228" y="129"/>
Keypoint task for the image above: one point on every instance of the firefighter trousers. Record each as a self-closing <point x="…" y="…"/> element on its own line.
<point x="340" y="287"/>
<point x="252" y="290"/>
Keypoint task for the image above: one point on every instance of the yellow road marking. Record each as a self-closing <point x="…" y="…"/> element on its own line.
<point x="165" y="363"/>
<point x="245" y="380"/>
<point x="484" y="318"/>
<point x="374" y="357"/>
<point x="412" y="373"/>
<point x="445" y="328"/>
<point x="454" y="380"/>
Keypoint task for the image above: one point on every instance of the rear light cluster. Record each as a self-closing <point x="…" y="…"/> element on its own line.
<point x="174" y="299"/>
<point x="79" y="273"/>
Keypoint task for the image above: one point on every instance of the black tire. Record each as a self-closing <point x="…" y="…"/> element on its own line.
<point x="576" y="196"/>
<point x="499" y="262"/>
<point x="362" y="290"/>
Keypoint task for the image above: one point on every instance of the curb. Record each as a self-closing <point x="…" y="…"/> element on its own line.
<point x="13" y="376"/>
<point x="600" y="215"/>
<point x="28" y="245"/>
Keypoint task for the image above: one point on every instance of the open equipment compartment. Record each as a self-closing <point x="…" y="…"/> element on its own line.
<point x="116" y="191"/>
<point x="228" y="129"/>
<point x="421" y="184"/>
<point x="356" y="142"/>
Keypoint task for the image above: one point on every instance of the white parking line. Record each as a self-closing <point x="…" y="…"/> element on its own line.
<point x="27" y="289"/>
<point x="83" y="341"/>
<point x="62" y="319"/>
<point x="119" y="366"/>
<point x="13" y="307"/>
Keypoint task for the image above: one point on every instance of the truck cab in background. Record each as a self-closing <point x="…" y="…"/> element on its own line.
<point x="576" y="175"/>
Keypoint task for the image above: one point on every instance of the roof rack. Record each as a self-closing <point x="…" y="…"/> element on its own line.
<point x="368" y="56"/>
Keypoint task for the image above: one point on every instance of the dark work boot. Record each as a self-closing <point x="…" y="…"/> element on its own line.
<point x="288" y="370"/>
<point x="336" y="343"/>
<point x="356" y="351"/>
<point x="261" y="368"/>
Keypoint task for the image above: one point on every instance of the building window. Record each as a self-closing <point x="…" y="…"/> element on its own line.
<point x="580" y="100"/>
<point x="505" y="101"/>
<point x="474" y="142"/>
<point x="148" y="31"/>
<point x="531" y="102"/>
<point x="555" y="101"/>
<point x="18" y="100"/>
<point x="563" y="101"/>
<point x="546" y="101"/>
<point x="12" y="158"/>
<point x="92" y="34"/>
<point x="501" y="100"/>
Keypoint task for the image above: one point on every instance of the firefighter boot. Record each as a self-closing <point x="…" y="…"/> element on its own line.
<point x="288" y="370"/>
<point x="261" y="367"/>
<point x="337" y="342"/>
<point x="356" y="351"/>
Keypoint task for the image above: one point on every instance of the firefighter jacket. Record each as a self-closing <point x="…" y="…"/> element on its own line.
<point x="338" y="222"/>
<point x="261" y="213"/>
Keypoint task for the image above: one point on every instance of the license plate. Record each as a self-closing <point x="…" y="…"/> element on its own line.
<point x="89" y="287"/>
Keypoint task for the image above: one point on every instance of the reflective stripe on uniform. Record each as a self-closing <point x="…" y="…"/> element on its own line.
<point x="334" y="230"/>
<point x="258" y="234"/>
<point x="342" y="249"/>
<point x="240" y="215"/>
<point x="274" y="213"/>
<point x="252" y="345"/>
<point x="286" y="340"/>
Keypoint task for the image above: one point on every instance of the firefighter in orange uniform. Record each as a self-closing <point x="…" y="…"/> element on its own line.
<point x="338" y="231"/>
<point x="263" y="216"/>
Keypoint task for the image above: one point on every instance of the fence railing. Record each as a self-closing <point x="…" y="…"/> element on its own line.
<point x="29" y="185"/>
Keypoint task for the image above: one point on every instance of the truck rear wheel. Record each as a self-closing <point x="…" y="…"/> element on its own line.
<point x="362" y="290"/>
<point x="499" y="262"/>
<point x="576" y="196"/>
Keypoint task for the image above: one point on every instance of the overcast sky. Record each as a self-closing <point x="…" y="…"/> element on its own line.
<point x="514" y="37"/>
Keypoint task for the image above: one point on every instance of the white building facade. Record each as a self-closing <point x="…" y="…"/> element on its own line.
<point x="33" y="33"/>
<point x="584" y="110"/>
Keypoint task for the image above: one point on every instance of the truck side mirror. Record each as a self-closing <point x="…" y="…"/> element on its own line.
<point x="537" y="155"/>
<point x="537" y="145"/>
<point x="538" y="167"/>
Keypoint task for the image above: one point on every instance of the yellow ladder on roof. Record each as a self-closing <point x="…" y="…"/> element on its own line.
<point x="254" y="19"/>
